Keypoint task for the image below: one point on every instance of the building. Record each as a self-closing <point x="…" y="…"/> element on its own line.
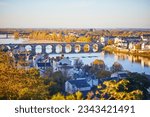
<point x="120" y="75"/>
<point x="63" y="65"/>
<point x="104" y="40"/>
<point x="145" y="46"/>
<point x="145" y="37"/>
<point x="72" y="86"/>
<point x="81" y="84"/>
<point x="19" y="50"/>
<point x="58" y="65"/>
<point x="43" y="65"/>
<point x="118" y="40"/>
<point x="132" y="39"/>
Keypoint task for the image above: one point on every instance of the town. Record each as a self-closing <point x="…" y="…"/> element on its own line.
<point x="68" y="76"/>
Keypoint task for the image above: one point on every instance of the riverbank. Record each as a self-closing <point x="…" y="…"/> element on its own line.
<point x="114" y="49"/>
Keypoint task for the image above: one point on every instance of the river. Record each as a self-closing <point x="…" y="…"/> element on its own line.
<point x="129" y="62"/>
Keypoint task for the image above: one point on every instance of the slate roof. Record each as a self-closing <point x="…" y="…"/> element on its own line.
<point x="123" y="75"/>
<point x="79" y="83"/>
<point x="43" y="64"/>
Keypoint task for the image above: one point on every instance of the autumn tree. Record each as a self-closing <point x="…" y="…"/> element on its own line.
<point x="138" y="46"/>
<point x="113" y="90"/>
<point x="103" y="74"/>
<point x="97" y="65"/>
<point x="16" y="35"/>
<point x="76" y="96"/>
<point x="19" y="83"/>
<point x="116" y="67"/>
<point x="110" y="42"/>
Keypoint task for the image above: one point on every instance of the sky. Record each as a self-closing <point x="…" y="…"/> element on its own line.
<point x="74" y="13"/>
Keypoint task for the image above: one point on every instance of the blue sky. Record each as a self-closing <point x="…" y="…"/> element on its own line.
<point x="74" y="13"/>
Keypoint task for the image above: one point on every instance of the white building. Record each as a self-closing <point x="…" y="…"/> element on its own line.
<point x="71" y="86"/>
<point x="145" y="37"/>
<point x="64" y="65"/>
<point x="145" y="46"/>
<point x="80" y="84"/>
<point x="104" y="40"/>
<point x="120" y="75"/>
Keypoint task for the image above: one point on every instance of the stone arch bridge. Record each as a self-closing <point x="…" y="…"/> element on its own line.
<point x="57" y="48"/>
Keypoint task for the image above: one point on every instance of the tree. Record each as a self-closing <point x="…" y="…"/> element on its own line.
<point x="86" y="69"/>
<point x="116" y="67"/>
<point x="58" y="96"/>
<point x="19" y="83"/>
<point x="16" y="35"/>
<point x="97" y="65"/>
<point x="138" y="46"/>
<point x="113" y="90"/>
<point x="110" y="42"/>
<point x="78" y="64"/>
<point x="76" y="96"/>
<point x="103" y="74"/>
<point x="140" y="82"/>
<point x="56" y="82"/>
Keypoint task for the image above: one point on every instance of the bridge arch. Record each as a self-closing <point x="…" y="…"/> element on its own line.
<point x="77" y="48"/>
<point x="86" y="48"/>
<point x="38" y="49"/>
<point x="48" y="49"/>
<point x="68" y="48"/>
<point x="28" y="48"/>
<point x="95" y="47"/>
<point x="58" y="48"/>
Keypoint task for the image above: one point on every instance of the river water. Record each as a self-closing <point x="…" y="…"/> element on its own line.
<point x="129" y="62"/>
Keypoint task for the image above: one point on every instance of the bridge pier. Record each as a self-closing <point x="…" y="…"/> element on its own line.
<point x="53" y="49"/>
<point x="90" y="49"/>
<point x="43" y="49"/>
<point x="63" y="49"/>
<point x="81" y="48"/>
<point x="33" y="51"/>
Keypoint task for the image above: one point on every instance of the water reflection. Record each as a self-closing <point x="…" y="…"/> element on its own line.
<point x="145" y="62"/>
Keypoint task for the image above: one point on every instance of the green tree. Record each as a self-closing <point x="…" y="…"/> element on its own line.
<point x="78" y="64"/>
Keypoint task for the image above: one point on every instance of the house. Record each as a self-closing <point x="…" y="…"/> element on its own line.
<point x="43" y="65"/>
<point x="58" y="65"/>
<point x="120" y="75"/>
<point x="123" y="44"/>
<point x="118" y="40"/>
<point x="145" y="46"/>
<point x="92" y="81"/>
<point x="71" y="86"/>
<point x="132" y="39"/>
<point x="82" y="84"/>
<point x="131" y="45"/>
<point x="145" y="37"/>
<point x="65" y="61"/>
<point x="18" y="50"/>
<point x="104" y="40"/>
<point x="64" y="65"/>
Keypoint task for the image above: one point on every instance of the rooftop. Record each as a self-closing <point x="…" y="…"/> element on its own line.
<point x="44" y="64"/>
<point x="79" y="83"/>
